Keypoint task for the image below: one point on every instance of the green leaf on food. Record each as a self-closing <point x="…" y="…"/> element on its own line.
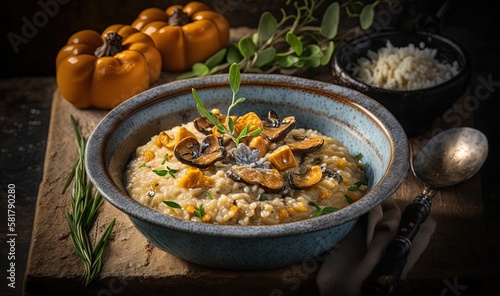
<point x="165" y="158"/>
<point x="330" y="21"/>
<point x="348" y="199"/>
<point x="203" y="112"/>
<point x="172" y="204"/>
<point x="239" y="100"/>
<point x="168" y="171"/>
<point x="234" y="78"/>
<point x="322" y="211"/>
<point x="200" y="212"/>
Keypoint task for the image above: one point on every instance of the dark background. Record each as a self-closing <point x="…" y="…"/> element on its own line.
<point x="44" y="27"/>
<point x="33" y="31"/>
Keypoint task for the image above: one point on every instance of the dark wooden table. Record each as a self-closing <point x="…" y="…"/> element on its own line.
<point x="458" y="255"/>
<point x="25" y="112"/>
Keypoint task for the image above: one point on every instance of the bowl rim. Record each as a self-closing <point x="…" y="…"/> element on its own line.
<point x="393" y="177"/>
<point x="464" y="71"/>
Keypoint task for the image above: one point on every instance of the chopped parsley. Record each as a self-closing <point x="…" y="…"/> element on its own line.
<point x="172" y="204"/>
<point x="168" y="171"/>
<point x="322" y="211"/>
<point x="200" y="211"/>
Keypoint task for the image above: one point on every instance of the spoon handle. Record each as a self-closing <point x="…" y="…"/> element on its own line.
<point x="385" y="276"/>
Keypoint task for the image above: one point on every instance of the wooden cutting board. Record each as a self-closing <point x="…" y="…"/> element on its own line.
<point x="133" y="266"/>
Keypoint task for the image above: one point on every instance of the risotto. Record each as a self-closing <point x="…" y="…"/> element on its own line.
<point x="283" y="174"/>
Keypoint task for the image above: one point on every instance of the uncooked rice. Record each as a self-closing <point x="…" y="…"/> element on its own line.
<point x="403" y="68"/>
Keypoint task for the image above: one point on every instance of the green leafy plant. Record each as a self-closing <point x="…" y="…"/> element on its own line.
<point x="295" y="43"/>
<point x="234" y="83"/>
<point x="84" y="209"/>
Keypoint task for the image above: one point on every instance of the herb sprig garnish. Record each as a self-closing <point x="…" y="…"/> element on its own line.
<point x="322" y="211"/>
<point x="357" y="185"/>
<point x="84" y="209"/>
<point x="169" y="171"/>
<point x="234" y="83"/>
<point x="200" y="212"/>
<point x="172" y="204"/>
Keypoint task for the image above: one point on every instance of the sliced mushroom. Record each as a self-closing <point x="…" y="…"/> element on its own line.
<point x="274" y="129"/>
<point x="301" y="181"/>
<point x="333" y="174"/>
<point x="272" y="119"/>
<point x="203" y="125"/>
<point x="304" y="145"/>
<point x="269" y="179"/>
<point x="189" y="151"/>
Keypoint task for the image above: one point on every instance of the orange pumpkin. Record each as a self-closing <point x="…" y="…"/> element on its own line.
<point x="184" y="35"/>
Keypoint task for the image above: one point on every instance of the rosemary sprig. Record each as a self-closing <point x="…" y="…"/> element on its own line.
<point x="84" y="208"/>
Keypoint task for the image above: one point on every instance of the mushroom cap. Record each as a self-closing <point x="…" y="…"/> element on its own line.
<point x="274" y="129"/>
<point x="305" y="145"/>
<point x="189" y="151"/>
<point x="269" y="179"/>
<point x="300" y="181"/>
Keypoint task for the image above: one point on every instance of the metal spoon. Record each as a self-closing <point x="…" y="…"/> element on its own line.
<point x="449" y="158"/>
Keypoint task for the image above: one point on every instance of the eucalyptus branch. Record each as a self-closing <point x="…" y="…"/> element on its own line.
<point x="84" y="209"/>
<point x="289" y="45"/>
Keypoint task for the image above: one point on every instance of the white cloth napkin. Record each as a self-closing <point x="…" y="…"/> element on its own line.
<point x="350" y="263"/>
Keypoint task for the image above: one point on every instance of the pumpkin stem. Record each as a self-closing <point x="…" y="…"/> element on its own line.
<point x="178" y="18"/>
<point x="111" y="46"/>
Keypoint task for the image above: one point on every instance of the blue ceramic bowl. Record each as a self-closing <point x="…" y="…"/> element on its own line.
<point x="354" y="119"/>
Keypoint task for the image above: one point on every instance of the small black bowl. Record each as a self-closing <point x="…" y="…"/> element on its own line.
<point x="415" y="109"/>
